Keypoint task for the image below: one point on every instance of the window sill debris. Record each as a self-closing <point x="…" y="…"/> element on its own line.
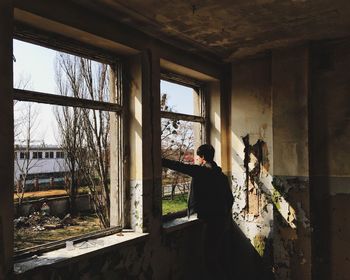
<point x="92" y="246"/>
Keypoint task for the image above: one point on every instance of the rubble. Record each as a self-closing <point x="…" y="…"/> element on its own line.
<point x="40" y="221"/>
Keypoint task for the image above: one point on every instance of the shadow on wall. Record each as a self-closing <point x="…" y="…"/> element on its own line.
<point x="243" y="261"/>
<point x="270" y="211"/>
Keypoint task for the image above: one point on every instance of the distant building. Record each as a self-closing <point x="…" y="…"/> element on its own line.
<point x="43" y="164"/>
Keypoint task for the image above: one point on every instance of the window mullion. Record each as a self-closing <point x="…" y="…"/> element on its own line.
<point x="183" y="117"/>
<point x="46" y="98"/>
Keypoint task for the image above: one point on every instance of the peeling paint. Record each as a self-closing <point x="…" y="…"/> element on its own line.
<point x="289" y="250"/>
<point x="259" y="244"/>
<point x="266" y="209"/>
<point x="136" y="205"/>
<point x="253" y="208"/>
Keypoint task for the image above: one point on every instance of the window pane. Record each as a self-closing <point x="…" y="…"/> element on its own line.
<point x="77" y="181"/>
<point x="179" y="99"/>
<point x="41" y="69"/>
<point x="179" y="142"/>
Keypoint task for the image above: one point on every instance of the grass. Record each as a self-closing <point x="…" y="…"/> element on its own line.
<point x="177" y="204"/>
<point x="27" y="237"/>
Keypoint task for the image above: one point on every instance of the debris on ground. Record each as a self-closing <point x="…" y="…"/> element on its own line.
<point x="40" y="221"/>
<point x="45" y="209"/>
<point x="68" y="221"/>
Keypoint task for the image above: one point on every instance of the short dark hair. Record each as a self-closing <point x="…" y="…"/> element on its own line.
<point x="207" y="151"/>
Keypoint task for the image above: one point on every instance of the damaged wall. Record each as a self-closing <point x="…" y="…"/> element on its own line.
<point x="308" y="150"/>
<point x="270" y="159"/>
<point x="292" y="243"/>
<point x="330" y="157"/>
<point x="252" y="162"/>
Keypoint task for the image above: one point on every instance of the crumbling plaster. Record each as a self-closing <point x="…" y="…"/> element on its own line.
<point x="251" y="134"/>
<point x="269" y="118"/>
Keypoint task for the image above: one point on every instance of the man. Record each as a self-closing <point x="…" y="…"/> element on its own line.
<point x="211" y="198"/>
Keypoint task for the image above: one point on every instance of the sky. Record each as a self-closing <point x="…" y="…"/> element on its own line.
<point x="36" y="65"/>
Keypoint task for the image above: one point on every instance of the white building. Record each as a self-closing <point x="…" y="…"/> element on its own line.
<point x="43" y="162"/>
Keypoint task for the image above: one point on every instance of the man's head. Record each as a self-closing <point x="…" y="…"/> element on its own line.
<point x="206" y="153"/>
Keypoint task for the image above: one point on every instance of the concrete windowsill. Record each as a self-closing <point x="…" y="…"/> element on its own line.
<point x="81" y="250"/>
<point x="180" y="223"/>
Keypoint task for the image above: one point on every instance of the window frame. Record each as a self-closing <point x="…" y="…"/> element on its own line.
<point x="60" y="154"/>
<point x="62" y="44"/>
<point x="37" y="155"/>
<point x="202" y="118"/>
<point x="49" y="155"/>
<point x="24" y="155"/>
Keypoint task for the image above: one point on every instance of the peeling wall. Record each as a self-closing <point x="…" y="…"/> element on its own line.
<point x="269" y="122"/>
<point x="292" y="241"/>
<point x="251" y="134"/>
<point x="302" y="94"/>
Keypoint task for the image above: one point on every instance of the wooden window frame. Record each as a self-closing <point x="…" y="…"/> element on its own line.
<point x="75" y="48"/>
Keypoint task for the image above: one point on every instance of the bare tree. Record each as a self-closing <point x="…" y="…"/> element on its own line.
<point x="25" y="126"/>
<point x="69" y="82"/>
<point x="21" y="82"/>
<point x="85" y="132"/>
<point x="177" y="138"/>
<point x="25" y="123"/>
<point x="96" y="125"/>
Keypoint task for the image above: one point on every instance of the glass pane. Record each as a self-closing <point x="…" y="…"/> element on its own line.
<point x="179" y="142"/>
<point x="179" y="99"/>
<point x="41" y="69"/>
<point x="61" y="173"/>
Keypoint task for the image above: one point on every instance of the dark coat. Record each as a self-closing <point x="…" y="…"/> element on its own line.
<point x="210" y="194"/>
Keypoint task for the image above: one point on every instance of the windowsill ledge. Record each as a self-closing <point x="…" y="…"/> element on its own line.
<point x="82" y="249"/>
<point x="180" y="223"/>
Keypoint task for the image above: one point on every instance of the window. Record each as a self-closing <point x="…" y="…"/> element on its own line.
<point x="59" y="154"/>
<point x="37" y="155"/>
<point x="49" y="155"/>
<point x="182" y="131"/>
<point x="24" y="155"/>
<point x="71" y="104"/>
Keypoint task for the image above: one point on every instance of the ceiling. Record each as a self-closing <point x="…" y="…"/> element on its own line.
<point x="229" y="30"/>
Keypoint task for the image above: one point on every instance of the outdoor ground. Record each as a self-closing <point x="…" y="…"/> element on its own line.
<point x="169" y="206"/>
<point x="177" y="204"/>
<point x="26" y="237"/>
<point x="33" y="234"/>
